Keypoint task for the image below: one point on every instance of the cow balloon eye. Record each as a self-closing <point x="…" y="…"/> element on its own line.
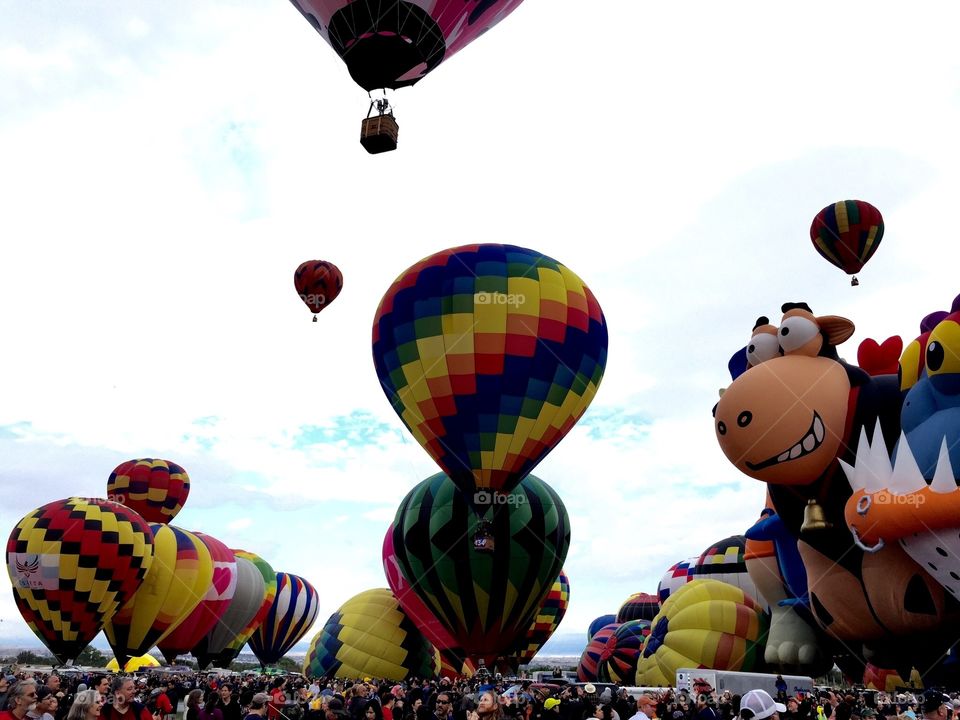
<point x="795" y="332"/>
<point x="762" y="347"/>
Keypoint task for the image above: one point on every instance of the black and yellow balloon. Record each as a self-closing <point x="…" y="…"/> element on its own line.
<point x="370" y="636"/>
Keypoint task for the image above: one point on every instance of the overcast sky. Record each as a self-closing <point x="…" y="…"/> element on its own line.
<point x="165" y="166"/>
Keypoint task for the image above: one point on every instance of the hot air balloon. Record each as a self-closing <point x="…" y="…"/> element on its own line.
<point x="589" y="668"/>
<point x="847" y="234"/>
<point x="175" y="584"/>
<point x="678" y="575"/>
<point x="724" y="561"/>
<point x="243" y="607"/>
<point x="370" y="635"/>
<point x="269" y="575"/>
<point x="486" y="601"/>
<point x="218" y="595"/>
<point x="552" y="610"/>
<point x="706" y="624"/>
<point x="639" y="606"/>
<point x="290" y="618"/>
<point x="618" y="660"/>
<point x="489" y="354"/>
<point x="451" y="654"/>
<point x="133" y="664"/>
<point x="157" y="489"/>
<point x="72" y="563"/>
<point x="599" y="623"/>
<point x="395" y="45"/>
<point x="318" y="283"/>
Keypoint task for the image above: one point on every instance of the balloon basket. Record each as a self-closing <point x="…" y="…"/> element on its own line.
<point x="379" y="134"/>
<point x="314" y="318"/>
<point x="854" y="282"/>
<point x="483" y="541"/>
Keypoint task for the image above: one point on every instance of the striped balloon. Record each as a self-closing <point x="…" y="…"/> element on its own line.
<point x="589" y="668"/>
<point x="244" y="606"/>
<point x="269" y="575"/>
<point x="639" y="606"/>
<point x="618" y="661"/>
<point x="489" y="354"/>
<point x="290" y="618"/>
<point x="847" y="233"/>
<point x="725" y="561"/>
<point x="157" y="489"/>
<point x="175" y="584"/>
<point x="599" y="623"/>
<point x="72" y="564"/>
<point x="552" y="610"/>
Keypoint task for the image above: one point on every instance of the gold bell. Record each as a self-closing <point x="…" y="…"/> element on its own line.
<point x="813" y="517"/>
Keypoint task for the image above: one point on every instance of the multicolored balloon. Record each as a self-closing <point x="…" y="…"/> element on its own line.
<point x="847" y="234"/>
<point x="639" y="606"/>
<point x="157" y="489"/>
<point x="489" y="354"/>
<point x="370" y="635"/>
<point x="318" y="283"/>
<point x="395" y="45"/>
<point x="246" y="602"/>
<point x="217" y="597"/>
<point x="290" y="618"/>
<point x="724" y="561"/>
<point x="602" y="642"/>
<point x="599" y="623"/>
<point x="72" y="564"/>
<point x="552" y="610"/>
<point x="618" y="661"/>
<point x="486" y="601"/>
<point x="676" y="577"/>
<point x="269" y="575"/>
<point x="174" y="585"/>
<point x="707" y="624"/>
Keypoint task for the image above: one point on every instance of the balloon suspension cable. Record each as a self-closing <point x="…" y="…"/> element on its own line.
<point x="381" y="104"/>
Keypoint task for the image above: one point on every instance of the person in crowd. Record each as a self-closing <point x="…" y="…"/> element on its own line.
<point x="21" y="698"/>
<point x="87" y="705"/>
<point x="124" y="706"/>
<point x="192" y="711"/>
<point x="936" y="706"/>
<point x="227" y="703"/>
<point x="387" y="702"/>
<point x="6" y="682"/>
<point x="278" y="699"/>
<point x="46" y="706"/>
<point x="758" y="705"/>
<point x="443" y="706"/>
<point x="488" y="707"/>
<point x="706" y="707"/>
<point x="603" y="712"/>
<point x="258" y="706"/>
<point x="210" y="709"/>
<point x="372" y="711"/>
<point x="100" y="683"/>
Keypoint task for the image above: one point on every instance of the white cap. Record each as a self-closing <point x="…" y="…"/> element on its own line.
<point x="760" y="704"/>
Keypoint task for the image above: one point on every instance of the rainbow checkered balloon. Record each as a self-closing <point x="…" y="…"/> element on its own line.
<point x="489" y="354"/>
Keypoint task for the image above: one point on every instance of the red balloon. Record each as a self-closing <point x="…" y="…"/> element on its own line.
<point x="318" y="283"/>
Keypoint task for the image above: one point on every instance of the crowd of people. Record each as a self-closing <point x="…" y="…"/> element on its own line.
<point x="162" y="696"/>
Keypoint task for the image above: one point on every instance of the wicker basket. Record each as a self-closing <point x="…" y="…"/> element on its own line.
<point x="379" y="134"/>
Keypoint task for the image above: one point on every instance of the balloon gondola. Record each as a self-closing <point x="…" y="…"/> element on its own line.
<point x="379" y="133"/>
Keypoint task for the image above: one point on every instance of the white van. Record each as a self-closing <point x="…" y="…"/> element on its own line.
<point x="740" y="682"/>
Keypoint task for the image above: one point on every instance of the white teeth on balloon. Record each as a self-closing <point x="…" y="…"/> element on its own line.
<point x="809" y="442"/>
<point x="785" y="456"/>
<point x="906" y="477"/>
<point x="795" y="451"/>
<point x="943" y="481"/>
<point x="818" y="429"/>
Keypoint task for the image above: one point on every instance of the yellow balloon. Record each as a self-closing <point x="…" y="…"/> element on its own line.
<point x="134" y="664"/>
<point x="181" y="573"/>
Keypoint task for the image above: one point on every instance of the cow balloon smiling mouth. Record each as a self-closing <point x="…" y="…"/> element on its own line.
<point x="806" y="445"/>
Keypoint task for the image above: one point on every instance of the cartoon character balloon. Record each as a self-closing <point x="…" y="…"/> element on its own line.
<point x="178" y="578"/>
<point x="370" y="635"/>
<point x="318" y="284"/>
<point x="157" y="489"/>
<point x="847" y="234"/>
<point x="72" y="564"/>
<point x="290" y="618"/>
<point x="489" y="354"/>
<point x="397" y="44"/>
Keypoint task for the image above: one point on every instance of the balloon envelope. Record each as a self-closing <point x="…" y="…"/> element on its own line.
<point x="552" y="610"/>
<point x="269" y="575"/>
<point x="395" y="44"/>
<point x="847" y="233"/>
<point x="489" y="354"/>
<point x="134" y="664"/>
<point x="290" y="617"/>
<point x="72" y="563"/>
<point x="487" y="601"/>
<point x="318" y="283"/>
<point x="173" y="586"/>
<point x="157" y="489"/>
<point x="370" y="635"/>
<point x="245" y="604"/>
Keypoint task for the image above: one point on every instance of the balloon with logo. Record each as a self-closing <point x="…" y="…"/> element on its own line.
<point x="489" y="354"/>
<point x="708" y="624"/>
<point x="639" y="606"/>
<point x="485" y="600"/>
<point x="290" y="617"/>
<point x="552" y="610"/>
<point x="72" y="564"/>
<point x="216" y="599"/>
<point x="174" y="585"/>
<point x="370" y="635"/>
<point x="847" y="234"/>
<point x="318" y="283"/>
<point x="243" y="607"/>
<point x="269" y="575"/>
<point x="599" y="623"/>
<point x="157" y="489"/>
